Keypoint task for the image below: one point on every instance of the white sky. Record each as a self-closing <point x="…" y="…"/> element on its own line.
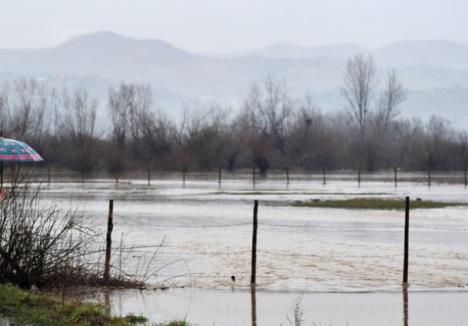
<point x="222" y="26"/>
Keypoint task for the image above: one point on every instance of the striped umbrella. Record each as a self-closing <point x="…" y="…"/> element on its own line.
<point x="15" y="151"/>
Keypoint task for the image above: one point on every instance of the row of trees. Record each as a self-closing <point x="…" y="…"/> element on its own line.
<point x="272" y="129"/>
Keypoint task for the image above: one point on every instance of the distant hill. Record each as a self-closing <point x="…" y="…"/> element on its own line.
<point x="436" y="72"/>
<point x="431" y="53"/>
<point x="442" y="54"/>
<point x="288" y="51"/>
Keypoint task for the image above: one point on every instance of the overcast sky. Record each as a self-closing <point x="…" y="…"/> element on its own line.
<point x="225" y="26"/>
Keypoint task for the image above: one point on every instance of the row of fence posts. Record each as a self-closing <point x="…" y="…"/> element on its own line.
<point x="253" y="275"/>
<point x="254" y="176"/>
<point x="324" y="177"/>
<point x="254" y="243"/>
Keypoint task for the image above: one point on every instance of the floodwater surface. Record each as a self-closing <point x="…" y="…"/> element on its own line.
<point x="234" y="308"/>
<point x="206" y="234"/>
<point x="345" y="264"/>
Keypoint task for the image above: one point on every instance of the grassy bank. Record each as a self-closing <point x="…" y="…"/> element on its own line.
<point x="33" y="309"/>
<point x="373" y="203"/>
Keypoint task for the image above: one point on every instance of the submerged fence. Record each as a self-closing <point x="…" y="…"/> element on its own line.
<point x="253" y="251"/>
<point x="287" y="176"/>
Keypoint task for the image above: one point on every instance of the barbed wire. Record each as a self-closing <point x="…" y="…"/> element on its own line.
<point x="303" y="226"/>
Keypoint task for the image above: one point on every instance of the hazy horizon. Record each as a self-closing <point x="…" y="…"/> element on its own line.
<point x="240" y="52"/>
<point x="219" y="27"/>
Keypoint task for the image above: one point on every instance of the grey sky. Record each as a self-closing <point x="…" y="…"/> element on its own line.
<point x="222" y="26"/>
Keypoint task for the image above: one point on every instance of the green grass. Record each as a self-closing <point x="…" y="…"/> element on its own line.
<point x="374" y="203"/>
<point x="37" y="309"/>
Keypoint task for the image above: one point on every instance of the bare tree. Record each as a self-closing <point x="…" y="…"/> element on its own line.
<point x="392" y="96"/>
<point x="398" y="144"/>
<point x="127" y="105"/>
<point x="153" y="143"/>
<point x="462" y="148"/>
<point x="80" y="129"/>
<point x="436" y="143"/>
<point x="267" y="117"/>
<point x="358" y="89"/>
<point x="381" y="136"/>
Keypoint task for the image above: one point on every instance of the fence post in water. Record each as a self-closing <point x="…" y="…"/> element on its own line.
<point x="324" y="176"/>
<point x="287" y="176"/>
<point x="148" y="175"/>
<point x="253" y="275"/>
<point x="395" y="176"/>
<point x="359" y="177"/>
<point x="405" y="260"/>
<point x="110" y="226"/>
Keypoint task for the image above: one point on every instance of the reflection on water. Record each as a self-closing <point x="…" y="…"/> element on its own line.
<point x="253" y="303"/>
<point x="264" y="308"/>
<point x="405" y="305"/>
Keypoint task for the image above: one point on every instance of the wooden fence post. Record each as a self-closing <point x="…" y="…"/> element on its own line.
<point x="324" y="176"/>
<point x="253" y="275"/>
<point x="405" y="259"/>
<point x="287" y="176"/>
<point x="148" y="176"/>
<point x="395" y="177"/>
<point x="110" y="226"/>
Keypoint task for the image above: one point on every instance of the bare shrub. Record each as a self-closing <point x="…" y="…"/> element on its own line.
<point x="40" y="245"/>
<point x="297" y="317"/>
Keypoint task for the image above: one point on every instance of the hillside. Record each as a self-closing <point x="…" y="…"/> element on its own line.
<point x="435" y="71"/>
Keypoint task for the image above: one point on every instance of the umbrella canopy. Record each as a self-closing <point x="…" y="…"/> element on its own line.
<point x="16" y="151"/>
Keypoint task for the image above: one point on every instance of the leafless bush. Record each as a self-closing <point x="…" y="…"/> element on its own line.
<point x="39" y="245"/>
<point x="44" y="246"/>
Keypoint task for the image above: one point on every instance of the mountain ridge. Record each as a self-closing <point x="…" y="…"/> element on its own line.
<point x="179" y="76"/>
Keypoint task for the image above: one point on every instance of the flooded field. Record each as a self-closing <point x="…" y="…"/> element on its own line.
<point x="233" y="308"/>
<point x="330" y="256"/>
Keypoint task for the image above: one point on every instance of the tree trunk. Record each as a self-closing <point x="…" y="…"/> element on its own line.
<point x="148" y="175"/>
<point x="428" y="176"/>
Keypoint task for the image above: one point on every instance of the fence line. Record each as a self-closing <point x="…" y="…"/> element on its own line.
<point x="255" y="252"/>
<point x="286" y="175"/>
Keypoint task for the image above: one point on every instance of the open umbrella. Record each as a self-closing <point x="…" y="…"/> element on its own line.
<point x="15" y="151"/>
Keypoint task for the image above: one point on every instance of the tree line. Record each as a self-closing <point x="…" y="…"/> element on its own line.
<point x="271" y="130"/>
